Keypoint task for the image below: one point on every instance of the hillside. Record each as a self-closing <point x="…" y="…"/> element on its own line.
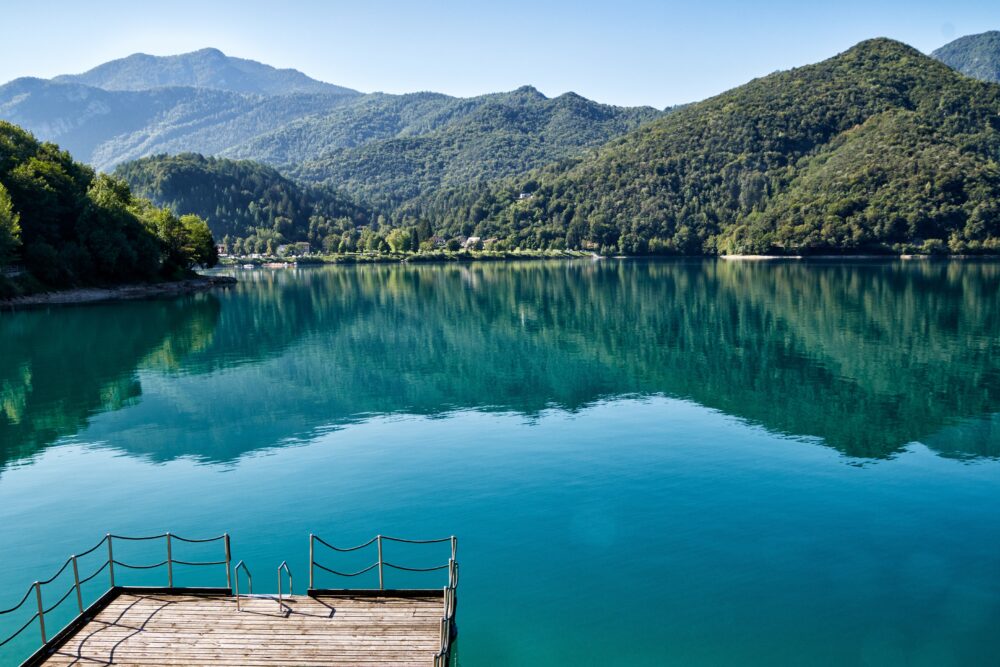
<point x="104" y="128"/>
<point x="64" y="225"/>
<point x="207" y="68"/>
<point x="470" y="141"/>
<point x="792" y="162"/>
<point x="244" y="202"/>
<point x="977" y="56"/>
<point x="209" y="103"/>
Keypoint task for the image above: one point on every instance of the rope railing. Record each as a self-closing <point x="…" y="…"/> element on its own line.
<point x="448" y="593"/>
<point x="381" y="563"/>
<point x="443" y="656"/>
<point x="109" y="564"/>
<point x="23" y="628"/>
<point x="340" y="549"/>
<point x="346" y="574"/>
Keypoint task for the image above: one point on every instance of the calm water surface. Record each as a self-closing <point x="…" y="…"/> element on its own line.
<point x="646" y="463"/>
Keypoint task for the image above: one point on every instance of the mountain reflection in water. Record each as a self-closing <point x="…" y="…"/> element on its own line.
<point x="865" y="357"/>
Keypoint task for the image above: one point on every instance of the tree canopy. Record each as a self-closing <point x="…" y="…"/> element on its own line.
<point x="879" y="149"/>
<point x="246" y="204"/>
<point x="69" y="226"/>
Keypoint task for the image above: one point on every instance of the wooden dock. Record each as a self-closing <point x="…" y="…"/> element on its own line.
<point x="171" y="629"/>
<point x="177" y="625"/>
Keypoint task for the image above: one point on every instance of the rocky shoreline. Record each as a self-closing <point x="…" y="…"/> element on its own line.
<point x="121" y="293"/>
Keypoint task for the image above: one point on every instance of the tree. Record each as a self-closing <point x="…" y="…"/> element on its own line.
<point x="199" y="246"/>
<point x="10" y="228"/>
<point x="398" y="240"/>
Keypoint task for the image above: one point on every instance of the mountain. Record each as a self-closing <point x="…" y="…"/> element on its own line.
<point x="466" y="142"/>
<point x="104" y="128"/>
<point x="879" y="149"/>
<point x="208" y="103"/>
<point x="64" y="225"/>
<point x="977" y="56"/>
<point x="207" y="68"/>
<point x="244" y="200"/>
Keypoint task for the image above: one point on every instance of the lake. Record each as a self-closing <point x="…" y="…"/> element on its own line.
<point x="645" y="462"/>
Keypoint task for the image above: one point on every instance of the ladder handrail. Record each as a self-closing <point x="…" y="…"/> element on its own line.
<point x="236" y="582"/>
<point x="291" y="592"/>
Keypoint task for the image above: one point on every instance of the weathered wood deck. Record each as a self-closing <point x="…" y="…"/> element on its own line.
<point x="138" y="628"/>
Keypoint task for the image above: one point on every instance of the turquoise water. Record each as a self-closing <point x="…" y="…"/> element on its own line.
<point x="646" y="463"/>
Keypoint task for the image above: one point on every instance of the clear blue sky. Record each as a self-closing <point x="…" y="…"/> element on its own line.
<point x="622" y="52"/>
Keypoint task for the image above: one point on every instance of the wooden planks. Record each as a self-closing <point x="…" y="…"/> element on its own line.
<point x="165" y="629"/>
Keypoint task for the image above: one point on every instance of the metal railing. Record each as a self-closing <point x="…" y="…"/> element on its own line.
<point x="447" y="630"/>
<point x="109" y="564"/>
<point x="380" y="563"/>
<point x="291" y="590"/>
<point x="447" y="635"/>
<point x="236" y="580"/>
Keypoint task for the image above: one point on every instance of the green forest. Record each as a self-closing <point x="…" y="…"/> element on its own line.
<point x="880" y="149"/>
<point x="250" y="208"/>
<point x="63" y="225"/>
<point x="472" y="141"/>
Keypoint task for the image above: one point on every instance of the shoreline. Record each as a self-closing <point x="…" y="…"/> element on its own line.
<point x="869" y="256"/>
<point x="88" y="295"/>
<point x="231" y="262"/>
<point x="470" y="258"/>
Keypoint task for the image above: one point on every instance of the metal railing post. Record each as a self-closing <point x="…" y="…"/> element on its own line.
<point x="170" y="564"/>
<point x="76" y="582"/>
<point x="454" y="547"/>
<point x="312" y="559"/>
<point x="41" y="612"/>
<point x="229" y="557"/>
<point x="111" y="561"/>
<point x="381" y="585"/>
<point x="291" y="585"/>
<point x="236" y="578"/>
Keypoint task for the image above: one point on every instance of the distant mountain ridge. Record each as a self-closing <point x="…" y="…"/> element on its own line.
<point x="208" y="103"/>
<point x="461" y="142"/>
<point x="206" y="68"/>
<point x="977" y="56"/>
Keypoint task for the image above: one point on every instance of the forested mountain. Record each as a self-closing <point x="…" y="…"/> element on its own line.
<point x="207" y="68"/>
<point x="977" y="56"/>
<point x="208" y="103"/>
<point x="880" y="148"/>
<point x="471" y="141"/>
<point x="249" y="207"/>
<point x="68" y="226"/>
<point x="104" y="128"/>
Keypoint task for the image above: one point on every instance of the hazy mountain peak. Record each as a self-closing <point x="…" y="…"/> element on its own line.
<point x="205" y="68"/>
<point x="977" y="56"/>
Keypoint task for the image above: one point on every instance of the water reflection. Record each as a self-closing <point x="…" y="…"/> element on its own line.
<point x="59" y="368"/>
<point x="864" y="357"/>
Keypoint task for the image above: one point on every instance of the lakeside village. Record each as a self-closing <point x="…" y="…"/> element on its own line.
<point x="436" y="248"/>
